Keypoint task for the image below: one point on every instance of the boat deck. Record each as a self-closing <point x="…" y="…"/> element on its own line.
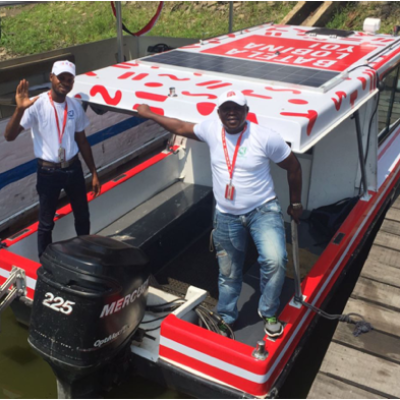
<point x="203" y="273"/>
<point x="368" y="366"/>
<point x="161" y="221"/>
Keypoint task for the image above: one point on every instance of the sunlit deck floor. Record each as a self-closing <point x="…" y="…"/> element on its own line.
<point x="198" y="266"/>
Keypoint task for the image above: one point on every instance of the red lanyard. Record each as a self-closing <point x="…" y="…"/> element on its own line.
<point x="60" y="134"/>
<point x="228" y="162"/>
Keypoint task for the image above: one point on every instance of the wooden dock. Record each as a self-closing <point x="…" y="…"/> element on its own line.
<point x="368" y="366"/>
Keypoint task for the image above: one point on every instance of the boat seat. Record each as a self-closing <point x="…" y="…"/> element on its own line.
<point x="167" y="223"/>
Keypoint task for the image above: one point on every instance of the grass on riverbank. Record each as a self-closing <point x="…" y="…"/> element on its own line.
<point x="352" y="16"/>
<point x="35" y="28"/>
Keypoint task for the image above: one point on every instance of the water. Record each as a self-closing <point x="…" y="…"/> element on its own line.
<point x="23" y="374"/>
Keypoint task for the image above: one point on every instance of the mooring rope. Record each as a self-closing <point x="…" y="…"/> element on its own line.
<point x="147" y="27"/>
<point x="361" y="326"/>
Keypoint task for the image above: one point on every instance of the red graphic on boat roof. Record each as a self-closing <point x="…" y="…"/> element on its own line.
<point x="307" y="53"/>
<point x="102" y="90"/>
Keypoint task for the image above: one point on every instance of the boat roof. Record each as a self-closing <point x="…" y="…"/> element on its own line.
<point x="301" y="81"/>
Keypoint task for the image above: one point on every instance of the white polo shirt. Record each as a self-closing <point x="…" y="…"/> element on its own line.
<point x="251" y="177"/>
<point x="41" y="119"/>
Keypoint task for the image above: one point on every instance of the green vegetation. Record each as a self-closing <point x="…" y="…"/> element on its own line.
<point x="35" y="28"/>
<point x="353" y="15"/>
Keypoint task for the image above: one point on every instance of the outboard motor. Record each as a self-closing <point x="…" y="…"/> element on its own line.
<point x="90" y="298"/>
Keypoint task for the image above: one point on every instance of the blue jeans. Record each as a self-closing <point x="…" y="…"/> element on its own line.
<point x="266" y="227"/>
<point x="50" y="181"/>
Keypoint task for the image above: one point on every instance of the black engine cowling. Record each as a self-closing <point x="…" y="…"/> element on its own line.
<point x="89" y="299"/>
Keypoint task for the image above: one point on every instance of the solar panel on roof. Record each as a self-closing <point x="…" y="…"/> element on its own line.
<point x="330" y="32"/>
<point x="252" y="69"/>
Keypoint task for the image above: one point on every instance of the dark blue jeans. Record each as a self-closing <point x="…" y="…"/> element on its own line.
<point x="50" y="181"/>
<point x="266" y="227"/>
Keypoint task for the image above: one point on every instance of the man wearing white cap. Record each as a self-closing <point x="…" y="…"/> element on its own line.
<point x="57" y="124"/>
<point x="246" y="202"/>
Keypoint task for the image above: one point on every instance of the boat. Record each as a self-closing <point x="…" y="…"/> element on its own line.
<point x="147" y="270"/>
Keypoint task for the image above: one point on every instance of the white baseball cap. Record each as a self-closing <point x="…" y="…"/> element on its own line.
<point x="63" y="66"/>
<point x="232" y="95"/>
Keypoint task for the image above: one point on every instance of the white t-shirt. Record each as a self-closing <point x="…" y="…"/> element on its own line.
<point x="251" y="177"/>
<point x="41" y="119"/>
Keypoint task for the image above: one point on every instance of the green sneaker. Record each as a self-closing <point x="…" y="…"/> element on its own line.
<point x="273" y="327"/>
<point x="225" y="329"/>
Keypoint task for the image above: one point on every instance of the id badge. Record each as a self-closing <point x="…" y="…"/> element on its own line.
<point x="229" y="191"/>
<point x="61" y="154"/>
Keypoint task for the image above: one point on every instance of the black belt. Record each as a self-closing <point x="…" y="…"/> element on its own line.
<point x="65" y="164"/>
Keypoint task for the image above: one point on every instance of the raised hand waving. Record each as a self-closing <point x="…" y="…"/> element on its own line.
<point x="22" y="95"/>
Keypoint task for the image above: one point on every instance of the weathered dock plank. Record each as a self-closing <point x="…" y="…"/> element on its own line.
<point x="393" y="214"/>
<point x="396" y="203"/>
<point x="383" y="294"/>
<point x="392" y="227"/>
<point x="381" y="318"/>
<point x="329" y="388"/>
<point x="368" y="366"/>
<point x="383" y="265"/>
<point x="362" y="370"/>
<point x="375" y="343"/>
<point x="388" y="240"/>
<point x="382" y="273"/>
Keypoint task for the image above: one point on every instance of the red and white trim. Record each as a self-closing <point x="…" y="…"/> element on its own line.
<point x="8" y="260"/>
<point x="222" y="359"/>
<point x="216" y="362"/>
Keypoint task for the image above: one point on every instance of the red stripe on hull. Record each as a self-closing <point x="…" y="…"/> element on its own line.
<point x="8" y="260"/>
<point x="212" y="344"/>
<point x="255" y="389"/>
<point x="315" y="286"/>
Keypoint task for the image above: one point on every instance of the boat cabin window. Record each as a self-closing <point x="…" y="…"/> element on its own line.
<point x="389" y="105"/>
